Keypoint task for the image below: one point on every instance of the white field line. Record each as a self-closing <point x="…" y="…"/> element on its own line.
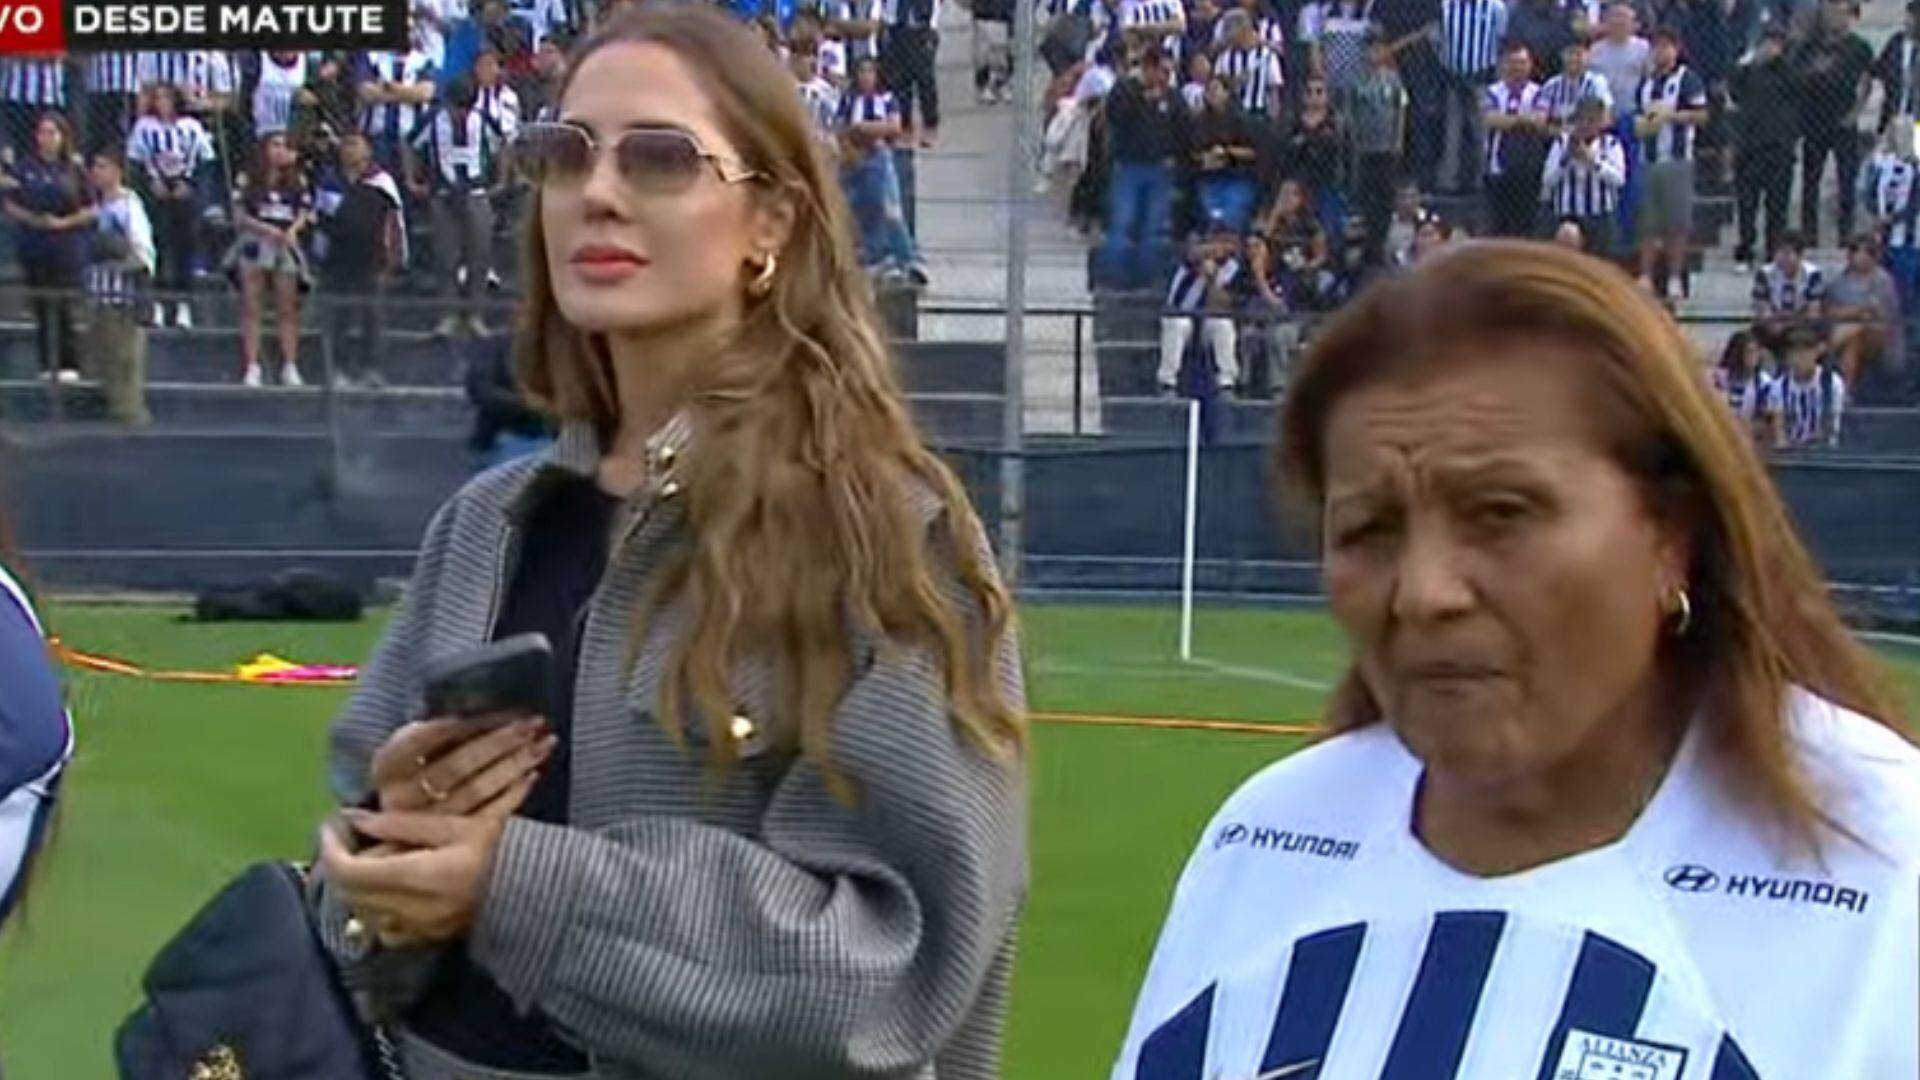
<point x="1158" y="668"/>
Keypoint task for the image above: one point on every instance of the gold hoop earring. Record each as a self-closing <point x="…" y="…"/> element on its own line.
<point x="762" y="283"/>
<point x="1680" y="612"/>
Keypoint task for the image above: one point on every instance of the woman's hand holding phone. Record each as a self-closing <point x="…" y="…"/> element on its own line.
<point x="456" y="766"/>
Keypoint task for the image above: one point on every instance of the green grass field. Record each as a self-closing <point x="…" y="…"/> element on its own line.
<point x="178" y="786"/>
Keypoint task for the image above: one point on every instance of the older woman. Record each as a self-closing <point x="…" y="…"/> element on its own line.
<point x="773" y="823"/>
<point x="1610" y="784"/>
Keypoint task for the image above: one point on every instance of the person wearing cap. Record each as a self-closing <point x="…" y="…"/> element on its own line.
<point x="1764" y="100"/>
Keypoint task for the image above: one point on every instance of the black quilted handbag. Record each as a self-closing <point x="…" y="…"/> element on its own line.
<point x="247" y="992"/>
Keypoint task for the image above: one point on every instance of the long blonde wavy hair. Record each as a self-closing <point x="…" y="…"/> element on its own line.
<point x="799" y="492"/>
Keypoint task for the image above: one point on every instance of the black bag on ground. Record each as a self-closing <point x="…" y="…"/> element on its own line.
<point x="293" y="596"/>
<point x="247" y="990"/>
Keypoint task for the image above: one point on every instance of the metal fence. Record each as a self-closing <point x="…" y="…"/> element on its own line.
<point x="1057" y="165"/>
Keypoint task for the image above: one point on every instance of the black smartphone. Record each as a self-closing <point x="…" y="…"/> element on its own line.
<point x="510" y="676"/>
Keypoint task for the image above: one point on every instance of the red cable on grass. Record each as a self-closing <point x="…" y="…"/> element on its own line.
<point x="344" y="676"/>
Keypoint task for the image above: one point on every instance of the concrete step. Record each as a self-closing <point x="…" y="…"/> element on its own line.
<point x="968" y="418"/>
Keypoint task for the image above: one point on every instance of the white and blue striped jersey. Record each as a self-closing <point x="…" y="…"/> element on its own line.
<point x="546" y="16"/>
<point x="1808" y="411"/>
<point x="857" y="108"/>
<point x="873" y="11"/>
<point x="1584" y="189"/>
<point x="1506" y="100"/>
<point x="1313" y="937"/>
<point x="1893" y="202"/>
<point x="1267" y="28"/>
<point x="1470" y="34"/>
<point x="1782" y="294"/>
<point x="33" y="82"/>
<point x="274" y="91"/>
<point x="194" y="72"/>
<point x="1562" y="94"/>
<point x="170" y="149"/>
<point x="392" y="119"/>
<point x="112" y="72"/>
<point x="1680" y="90"/>
<point x="501" y="106"/>
<point x="1189" y="288"/>
<point x="459" y="154"/>
<point x="1746" y="395"/>
<point x="36" y="737"/>
<point x="117" y="283"/>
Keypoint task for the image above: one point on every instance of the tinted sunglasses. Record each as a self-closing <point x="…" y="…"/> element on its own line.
<point x="652" y="160"/>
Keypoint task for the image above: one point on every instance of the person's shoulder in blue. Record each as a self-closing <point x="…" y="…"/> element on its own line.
<point x="35" y="738"/>
<point x="33" y="719"/>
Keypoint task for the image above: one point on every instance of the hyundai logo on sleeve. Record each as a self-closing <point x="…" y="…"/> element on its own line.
<point x="1689" y="877"/>
<point x="1269" y="839"/>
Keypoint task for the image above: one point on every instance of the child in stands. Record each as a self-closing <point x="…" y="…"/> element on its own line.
<point x="1805" y="404"/>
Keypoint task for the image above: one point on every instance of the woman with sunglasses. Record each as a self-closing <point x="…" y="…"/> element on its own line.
<point x="773" y="823"/>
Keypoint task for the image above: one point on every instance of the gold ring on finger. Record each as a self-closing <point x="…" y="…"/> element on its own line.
<point x="432" y="793"/>
<point x="355" y="932"/>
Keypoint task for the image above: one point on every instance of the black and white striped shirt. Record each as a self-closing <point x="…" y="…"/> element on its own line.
<point x="1255" y="75"/>
<point x="1809" y="411"/>
<point x="874" y="11"/>
<point x="501" y="106"/>
<point x="1681" y="91"/>
<point x="1562" y="94"/>
<point x="393" y="119"/>
<point x="33" y="82"/>
<point x="170" y="150"/>
<point x="113" y="73"/>
<point x="1138" y="13"/>
<point x="1470" y="34"/>
<point x="1508" y="101"/>
<point x="1895" y="201"/>
<point x="1189" y="288"/>
<point x="459" y="152"/>
<point x="1585" y="189"/>
<point x="117" y="283"/>
<point x="1784" y="295"/>
<point x="194" y="72"/>
<point x="274" y="91"/>
<point x="867" y="108"/>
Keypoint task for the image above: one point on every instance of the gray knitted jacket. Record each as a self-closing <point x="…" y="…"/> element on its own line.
<point x="689" y="927"/>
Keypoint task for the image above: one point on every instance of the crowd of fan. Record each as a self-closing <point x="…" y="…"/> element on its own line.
<point x="1260" y="162"/>
<point x="364" y="173"/>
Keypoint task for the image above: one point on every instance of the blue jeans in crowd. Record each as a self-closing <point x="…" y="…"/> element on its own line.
<point x="1139" y="206"/>
<point x="1229" y="199"/>
<point x="873" y="190"/>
